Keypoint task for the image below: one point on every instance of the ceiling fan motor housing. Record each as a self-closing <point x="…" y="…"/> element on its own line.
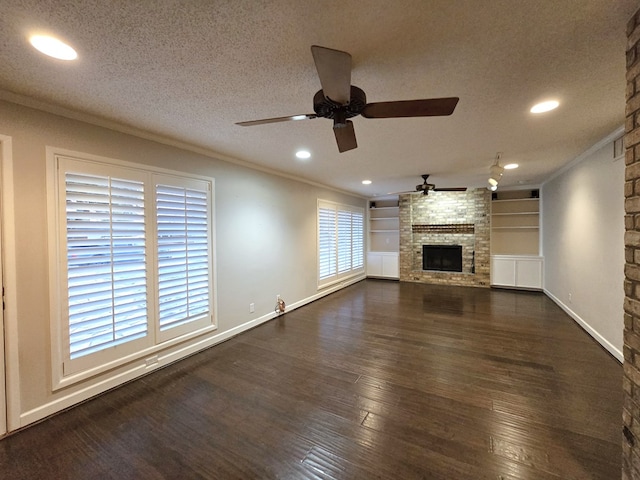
<point x="425" y="187"/>
<point x="327" y="108"/>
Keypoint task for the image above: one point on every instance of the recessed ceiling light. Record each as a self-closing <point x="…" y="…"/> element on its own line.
<point x="53" y="47"/>
<point x="366" y="182"/>
<point x="510" y="166"/>
<point x="545" y="106"/>
<point x="303" y="154"/>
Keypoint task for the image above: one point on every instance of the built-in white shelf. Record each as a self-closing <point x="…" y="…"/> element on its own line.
<point x="384" y="238"/>
<point x="516" y="200"/>
<point x="515" y="227"/>
<point x="515" y="223"/>
<point x="515" y="213"/>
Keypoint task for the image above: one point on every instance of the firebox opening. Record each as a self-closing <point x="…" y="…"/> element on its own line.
<point x="443" y="258"/>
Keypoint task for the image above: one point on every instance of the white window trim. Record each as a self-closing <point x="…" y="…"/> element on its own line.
<point x="59" y="379"/>
<point x="338" y="277"/>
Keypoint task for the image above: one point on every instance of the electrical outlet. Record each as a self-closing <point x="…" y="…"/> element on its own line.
<point x="252" y="307"/>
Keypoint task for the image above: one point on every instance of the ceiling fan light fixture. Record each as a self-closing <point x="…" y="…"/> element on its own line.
<point x="53" y="47"/>
<point x="303" y="154"/>
<point x="546" y="106"/>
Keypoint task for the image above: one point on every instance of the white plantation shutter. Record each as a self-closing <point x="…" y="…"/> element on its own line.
<point x="326" y="242"/>
<point x="106" y="262"/>
<point x="183" y="254"/>
<point x="344" y="241"/>
<point x="357" y="240"/>
<point x="340" y="241"/>
<point x="135" y="262"/>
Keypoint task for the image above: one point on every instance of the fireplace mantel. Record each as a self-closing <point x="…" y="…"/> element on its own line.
<point x="443" y="228"/>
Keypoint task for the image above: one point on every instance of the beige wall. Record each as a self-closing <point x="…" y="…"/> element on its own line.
<point x="265" y="245"/>
<point x="582" y="237"/>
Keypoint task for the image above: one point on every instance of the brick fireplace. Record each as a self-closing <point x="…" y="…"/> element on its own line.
<point x="447" y="219"/>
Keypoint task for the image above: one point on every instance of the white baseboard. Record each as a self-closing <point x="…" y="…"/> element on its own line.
<point x="588" y="328"/>
<point x="139" y="368"/>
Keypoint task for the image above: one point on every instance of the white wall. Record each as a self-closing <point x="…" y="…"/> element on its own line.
<point x="265" y="245"/>
<point x="583" y="243"/>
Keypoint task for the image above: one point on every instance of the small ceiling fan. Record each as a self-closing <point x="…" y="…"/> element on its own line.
<point x="339" y="100"/>
<point x="426" y="187"/>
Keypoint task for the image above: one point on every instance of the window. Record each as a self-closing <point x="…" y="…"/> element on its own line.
<point x="134" y="267"/>
<point x="106" y="262"/>
<point x="340" y="241"/>
<point x="184" y="280"/>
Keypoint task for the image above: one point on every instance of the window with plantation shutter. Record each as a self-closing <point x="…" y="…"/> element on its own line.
<point x="135" y="268"/>
<point x="183" y="254"/>
<point x="326" y="242"/>
<point x="357" y="237"/>
<point x="340" y="241"/>
<point x="106" y="262"/>
<point x="344" y="241"/>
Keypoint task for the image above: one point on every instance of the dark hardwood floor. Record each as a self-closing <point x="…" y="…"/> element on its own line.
<point x="380" y="380"/>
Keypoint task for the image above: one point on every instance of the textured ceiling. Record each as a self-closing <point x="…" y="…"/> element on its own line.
<point x="188" y="70"/>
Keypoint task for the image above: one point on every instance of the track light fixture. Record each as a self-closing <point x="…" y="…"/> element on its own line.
<point x="495" y="172"/>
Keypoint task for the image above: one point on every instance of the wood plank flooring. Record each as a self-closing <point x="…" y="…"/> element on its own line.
<point x="381" y="380"/>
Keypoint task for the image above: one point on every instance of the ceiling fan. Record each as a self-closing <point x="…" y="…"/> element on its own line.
<point x="339" y="100"/>
<point x="426" y="187"/>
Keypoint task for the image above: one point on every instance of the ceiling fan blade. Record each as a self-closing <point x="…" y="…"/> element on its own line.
<point x="345" y="137"/>
<point x="250" y="123"/>
<point x="432" y="107"/>
<point x="334" y="70"/>
<point x="451" y="189"/>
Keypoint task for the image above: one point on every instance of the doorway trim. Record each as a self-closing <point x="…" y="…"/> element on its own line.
<point x="9" y="381"/>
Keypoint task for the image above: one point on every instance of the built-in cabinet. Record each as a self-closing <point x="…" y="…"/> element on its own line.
<point x="516" y="271"/>
<point x="383" y="264"/>
<point x="384" y="239"/>
<point x="515" y="239"/>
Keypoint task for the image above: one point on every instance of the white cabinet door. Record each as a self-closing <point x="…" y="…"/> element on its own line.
<point x="529" y="273"/>
<point x="503" y="271"/>
<point x="374" y="264"/>
<point x="390" y="266"/>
